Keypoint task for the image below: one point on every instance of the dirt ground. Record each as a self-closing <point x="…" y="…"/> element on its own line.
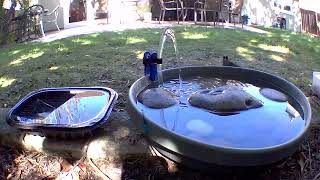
<point x="19" y="164"/>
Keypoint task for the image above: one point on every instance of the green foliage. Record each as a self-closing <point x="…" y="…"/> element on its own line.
<point x="5" y="36"/>
<point x="1" y="9"/>
<point x="24" y="4"/>
<point x="2" y="35"/>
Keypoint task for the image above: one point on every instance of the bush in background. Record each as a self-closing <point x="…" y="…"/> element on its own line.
<point x="7" y="37"/>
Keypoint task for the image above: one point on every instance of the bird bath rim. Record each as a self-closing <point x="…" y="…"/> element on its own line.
<point x="219" y="71"/>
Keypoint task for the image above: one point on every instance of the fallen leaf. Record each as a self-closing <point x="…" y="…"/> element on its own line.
<point x="65" y="166"/>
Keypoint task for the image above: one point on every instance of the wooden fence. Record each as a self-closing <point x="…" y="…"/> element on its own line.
<point x="310" y="21"/>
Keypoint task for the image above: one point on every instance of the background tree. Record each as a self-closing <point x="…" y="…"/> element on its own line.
<point x="7" y="13"/>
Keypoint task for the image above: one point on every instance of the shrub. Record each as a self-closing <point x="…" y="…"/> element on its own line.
<point x="1" y="8"/>
<point x="7" y="37"/>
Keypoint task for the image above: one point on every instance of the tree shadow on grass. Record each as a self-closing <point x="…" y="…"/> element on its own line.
<point x="92" y="60"/>
<point x="112" y="58"/>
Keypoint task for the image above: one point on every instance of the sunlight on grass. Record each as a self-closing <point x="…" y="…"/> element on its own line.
<point x="279" y="49"/>
<point x="270" y="35"/>
<point x="34" y="54"/>
<point x="134" y="40"/>
<point x="82" y="41"/>
<point x="94" y="35"/>
<point x="67" y="62"/>
<point x="53" y="68"/>
<point x="246" y="53"/>
<point x="191" y="35"/>
<point x="277" y="58"/>
<point x="62" y="48"/>
<point x="317" y="48"/>
<point x="285" y="37"/>
<point x="14" y="52"/>
<point x="5" y="82"/>
<point x="139" y="54"/>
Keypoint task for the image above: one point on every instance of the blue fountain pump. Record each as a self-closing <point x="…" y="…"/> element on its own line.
<point x="150" y="62"/>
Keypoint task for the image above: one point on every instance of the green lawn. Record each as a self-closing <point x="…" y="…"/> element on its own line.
<point x="113" y="59"/>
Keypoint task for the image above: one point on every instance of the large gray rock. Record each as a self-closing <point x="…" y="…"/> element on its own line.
<point x="157" y="98"/>
<point x="225" y="99"/>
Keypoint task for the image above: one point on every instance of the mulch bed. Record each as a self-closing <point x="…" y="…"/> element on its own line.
<point x="18" y="164"/>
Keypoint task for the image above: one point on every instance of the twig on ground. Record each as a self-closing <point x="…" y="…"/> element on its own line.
<point x="310" y="159"/>
<point x="317" y="176"/>
<point x="32" y="162"/>
<point x="97" y="170"/>
<point x="105" y="81"/>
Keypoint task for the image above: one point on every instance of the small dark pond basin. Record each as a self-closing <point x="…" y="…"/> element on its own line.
<point x="61" y="111"/>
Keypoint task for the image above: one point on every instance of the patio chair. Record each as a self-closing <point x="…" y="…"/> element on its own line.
<point x="173" y="5"/>
<point x="55" y="14"/>
<point x="235" y="14"/>
<point x="187" y="5"/>
<point x="201" y="6"/>
<point x="30" y="22"/>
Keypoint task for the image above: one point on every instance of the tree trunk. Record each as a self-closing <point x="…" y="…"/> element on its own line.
<point x="8" y="15"/>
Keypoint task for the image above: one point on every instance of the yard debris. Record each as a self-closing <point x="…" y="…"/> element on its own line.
<point x="66" y="166"/>
<point x="17" y="164"/>
<point x="98" y="171"/>
<point x="104" y="78"/>
<point x="68" y="171"/>
<point x="71" y="175"/>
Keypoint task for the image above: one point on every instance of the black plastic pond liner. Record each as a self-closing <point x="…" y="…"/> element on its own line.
<point x="63" y="112"/>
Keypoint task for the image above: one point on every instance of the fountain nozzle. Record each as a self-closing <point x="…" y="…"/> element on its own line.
<point x="150" y="62"/>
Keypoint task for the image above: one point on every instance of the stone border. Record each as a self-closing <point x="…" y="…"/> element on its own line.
<point x="117" y="138"/>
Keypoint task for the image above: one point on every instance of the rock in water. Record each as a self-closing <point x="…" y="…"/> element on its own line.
<point x="273" y="95"/>
<point x="157" y="98"/>
<point x="225" y="99"/>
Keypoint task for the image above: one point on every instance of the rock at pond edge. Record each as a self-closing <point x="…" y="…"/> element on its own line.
<point x="157" y="98"/>
<point x="273" y="94"/>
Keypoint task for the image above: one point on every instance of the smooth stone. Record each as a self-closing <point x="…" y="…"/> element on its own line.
<point x="229" y="100"/>
<point x="273" y="94"/>
<point x="157" y="98"/>
<point x="220" y="89"/>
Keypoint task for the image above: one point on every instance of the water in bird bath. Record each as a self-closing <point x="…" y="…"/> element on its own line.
<point x="272" y="124"/>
